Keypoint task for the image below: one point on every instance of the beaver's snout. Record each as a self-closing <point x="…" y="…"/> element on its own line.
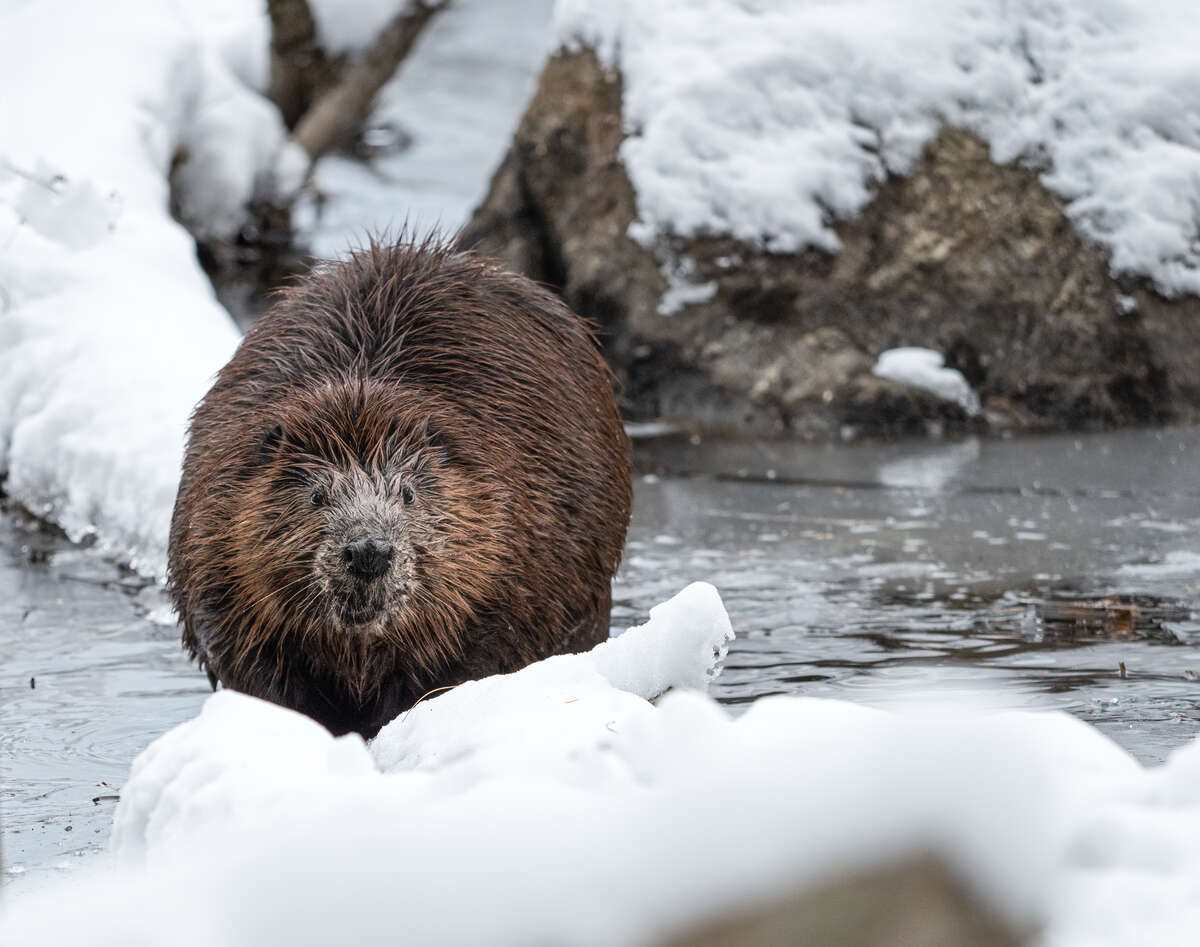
<point x="369" y="557"/>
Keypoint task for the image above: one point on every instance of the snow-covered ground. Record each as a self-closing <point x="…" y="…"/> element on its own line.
<point x="558" y="805"/>
<point x="769" y="119"/>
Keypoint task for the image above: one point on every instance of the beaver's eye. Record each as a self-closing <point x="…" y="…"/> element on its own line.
<point x="406" y="492"/>
<point x="316" y="496"/>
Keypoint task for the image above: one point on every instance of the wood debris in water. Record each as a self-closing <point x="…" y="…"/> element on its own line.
<point x="1119" y="618"/>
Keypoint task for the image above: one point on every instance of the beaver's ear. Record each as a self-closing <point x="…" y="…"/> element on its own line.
<point x="269" y="446"/>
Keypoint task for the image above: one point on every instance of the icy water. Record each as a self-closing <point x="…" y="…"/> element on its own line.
<point x="1033" y="570"/>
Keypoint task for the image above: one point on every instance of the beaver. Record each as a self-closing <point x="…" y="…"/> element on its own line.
<point x="412" y="473"/>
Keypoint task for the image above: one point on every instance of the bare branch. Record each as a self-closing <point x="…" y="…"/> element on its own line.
<point x="339" y="110"/>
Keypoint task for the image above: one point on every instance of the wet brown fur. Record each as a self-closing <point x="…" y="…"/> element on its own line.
<point x="406" y="364"/>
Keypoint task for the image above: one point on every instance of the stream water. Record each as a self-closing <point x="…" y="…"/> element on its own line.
<point x="1056" y="572"/>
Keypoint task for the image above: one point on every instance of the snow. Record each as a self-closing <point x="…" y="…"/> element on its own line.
<point x="111" y="331"/>
<point x="925" y="369"/>
<point x="770" y="120"/>
<point x="559" y="804"/>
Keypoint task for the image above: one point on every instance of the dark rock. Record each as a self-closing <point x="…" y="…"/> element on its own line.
<point x="971" y="258"/>
<point x="916" y="902"/>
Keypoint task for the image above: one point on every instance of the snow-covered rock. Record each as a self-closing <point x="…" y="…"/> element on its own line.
<point x="559" y="805"/>
<point x="767" y="120"/>
<point x="753" y="199"/>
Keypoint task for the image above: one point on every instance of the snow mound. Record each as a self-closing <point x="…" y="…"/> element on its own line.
<point x="925" y="369"/>
<point x="769" y="120"/>
<point x="556" y="706"/>
<point x="110" y="331"/>
<point x="553" y="805"/>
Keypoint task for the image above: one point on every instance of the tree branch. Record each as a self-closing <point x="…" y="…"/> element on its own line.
<point x="339" y="110"/>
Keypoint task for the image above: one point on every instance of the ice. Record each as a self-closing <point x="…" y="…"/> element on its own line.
<point x="1177" y="562"/>
<point x="925" y="369"/>
<point x="683" y="289"/>
<point x="559" y="804"/>
<point x="770" y="120"/>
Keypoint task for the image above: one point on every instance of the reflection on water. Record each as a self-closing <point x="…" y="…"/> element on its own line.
<point x="1054" y="572"/>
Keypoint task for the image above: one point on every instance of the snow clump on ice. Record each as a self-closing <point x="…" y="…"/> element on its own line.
<point x="769" y="120"/>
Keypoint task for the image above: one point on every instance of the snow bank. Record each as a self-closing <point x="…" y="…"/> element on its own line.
<point x="110" y="331"/>
<point x="554" y="806"/>
<point x="770" y="119"/>
<point x="925" y="369"/>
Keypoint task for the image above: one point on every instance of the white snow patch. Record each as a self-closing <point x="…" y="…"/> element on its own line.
<point x="110" y="330"/>
<point x="925" y="369"/>
<point x="556" y="706"/>
<point x="771" y="119"/>
<point x="567" y="808"/>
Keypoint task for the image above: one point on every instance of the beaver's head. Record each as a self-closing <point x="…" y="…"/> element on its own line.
<point x="361" y="517"/>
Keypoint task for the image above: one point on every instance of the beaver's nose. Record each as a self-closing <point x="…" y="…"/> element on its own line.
<point x="368" y="558"/>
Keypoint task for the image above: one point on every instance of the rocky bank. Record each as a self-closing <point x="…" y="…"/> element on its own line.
<point x="973" y="259"/>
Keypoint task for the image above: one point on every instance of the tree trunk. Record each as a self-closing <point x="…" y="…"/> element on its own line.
<point x="298" y="64"/>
